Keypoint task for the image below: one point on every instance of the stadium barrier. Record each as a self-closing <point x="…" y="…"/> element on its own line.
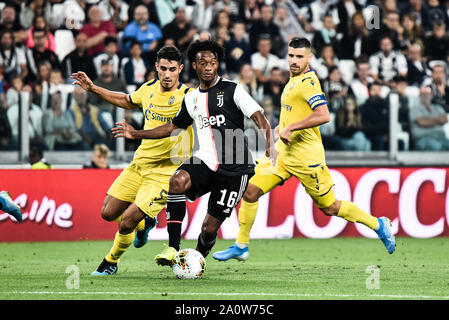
<point x="61" y="205"/>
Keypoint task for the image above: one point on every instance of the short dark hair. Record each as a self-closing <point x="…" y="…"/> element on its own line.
<point x="169" y="53"/>
<point x="205" y="45"/>
<point x="110" y="39"/>
<point x="298" y="42"/>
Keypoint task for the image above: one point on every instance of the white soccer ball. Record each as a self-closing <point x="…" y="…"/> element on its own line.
<point x="188" y="264"/>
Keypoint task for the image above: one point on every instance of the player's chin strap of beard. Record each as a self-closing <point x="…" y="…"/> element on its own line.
<point x="204" y="247"/>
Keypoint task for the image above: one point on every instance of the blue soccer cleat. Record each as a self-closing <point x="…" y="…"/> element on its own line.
<point x="142" y="236"/>
<point x="233" y="252"/>
<point x="105" y="269"/>
<point x="384" y="233"/>
<point x="7" y="205"/>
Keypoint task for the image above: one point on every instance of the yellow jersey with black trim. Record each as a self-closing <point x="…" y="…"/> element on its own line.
<point x="158" y="109"/>
<point x="301" y="95"/>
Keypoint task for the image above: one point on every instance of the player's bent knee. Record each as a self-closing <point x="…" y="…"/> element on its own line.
<point x="252" y="194"/>
<point x="107" y="214"/>
<point x="332" y="210"/>
<point x="178" y="182"/>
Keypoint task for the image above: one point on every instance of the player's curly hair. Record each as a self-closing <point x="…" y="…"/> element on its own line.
<point x="205" y="45"/>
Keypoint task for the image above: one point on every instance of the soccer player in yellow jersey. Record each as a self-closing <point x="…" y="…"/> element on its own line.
<point x="301" y="154"/>
<point x="140" y="192"/>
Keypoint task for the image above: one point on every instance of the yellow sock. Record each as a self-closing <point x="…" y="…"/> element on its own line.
<point x="247" y="214"/>
<point x="121" y="244"/>
<point x="351" y="212"/>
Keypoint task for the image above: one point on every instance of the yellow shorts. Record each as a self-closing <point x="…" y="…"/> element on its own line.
<point x="317" y="180"/>
<point x="146" y="186"/>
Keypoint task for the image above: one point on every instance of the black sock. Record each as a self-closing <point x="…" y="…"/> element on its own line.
<point x="203" y="246"/>
<point x="176" y="210"/>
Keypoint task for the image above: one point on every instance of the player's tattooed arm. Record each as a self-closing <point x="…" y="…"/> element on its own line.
<point x="262" y="123"/>
<point x="116" y="98"/>
<point x="125" y="130"/>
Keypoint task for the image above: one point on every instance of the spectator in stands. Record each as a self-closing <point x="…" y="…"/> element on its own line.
<point x="73" y="15"/>
<point x="115" y="11"/>
<point x="12" y="58"/>
<point x="136" y="67"/>
<point x="427" y="121"/>
<point x="97" y="31"/>
<point x="349" y="127"/>
<point x="238" y="50"/>
<point x="345" y="10"/>
<point x="439" y="85"/>
<point x="273" y="90"/>
<point x="180" y="29"/>
<point x="387" y="63"/>
<point x="375" y="118"/>
<point x="152" y="10"/>
<point x="357" y="41"/>
<point x="285" y="17"/>
<point x="436" y="12"/>
<point x="263" y="61"/>
<point x="249" y="11"/>
<point x="360" y="84"/>
<point x="37" y="160"/>
<point x="59" y="127"/>
<point x="10" y="22"/>
<point x="437" y="43"/>
<point x="99" y="158"/>
<point x="247" y="78"/>
<point x="391" y="28"/>
<point x="315" y="11"/>
<point x="327" y="36"/>
<point x="416" y="67"/>
<point x="40" y="23"/>
<point x="203" y="14"/>
<point x="110" y="52"/>
<point x="141" y="30"/>
<point x="41" y="87"/>
<point x="221" y="20"/>
<point x="399" y="86"/>
<point x="39" y="53"/>
<point x="231" y="6"/>
<point x="6" y="141"/>
<point x="266" y="27"/>
<point x="336" y="90"/>
<point x="418" y="9"/>
<point x="167" y="10"/>
<point x="29" y="10"/>
<point x="89" y="120"/>
<point x="17" y="86"/>
<point x="79" y="59"/>
<point x="35" y="130"/>
<point x="413" y="32"/>
<point x="326" y="60"/>
<point x="107" y="80"/>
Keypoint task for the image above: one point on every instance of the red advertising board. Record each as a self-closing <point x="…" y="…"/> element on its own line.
<point x="66" y="204"/>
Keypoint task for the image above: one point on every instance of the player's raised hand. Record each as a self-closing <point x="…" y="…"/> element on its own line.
<point x="82" y="80"/>
<point x="124" y="129"/>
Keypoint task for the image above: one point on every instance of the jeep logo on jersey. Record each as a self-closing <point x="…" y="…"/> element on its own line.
<point x="211" y="121"/>
<point x="220" y="100"/>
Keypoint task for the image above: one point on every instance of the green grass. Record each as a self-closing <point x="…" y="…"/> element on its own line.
<point x="277" y="269"/>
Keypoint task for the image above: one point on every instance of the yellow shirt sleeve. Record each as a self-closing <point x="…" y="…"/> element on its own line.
<point x="312" y="93"/>
<point x="136" y="96"/>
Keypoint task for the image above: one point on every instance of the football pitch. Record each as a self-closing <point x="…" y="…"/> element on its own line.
<point x="284" y="269"/>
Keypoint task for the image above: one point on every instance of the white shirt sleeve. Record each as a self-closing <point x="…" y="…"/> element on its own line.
<point x="245" y="102"/>
<point x="401" y="64"/>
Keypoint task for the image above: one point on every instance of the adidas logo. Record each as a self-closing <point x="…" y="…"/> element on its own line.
<point x="227" y="210"/>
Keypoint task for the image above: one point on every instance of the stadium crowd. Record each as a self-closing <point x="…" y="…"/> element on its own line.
<point x="363" y="52"/>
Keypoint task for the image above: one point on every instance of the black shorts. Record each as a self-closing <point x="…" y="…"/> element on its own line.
<point x="225" y="191"/>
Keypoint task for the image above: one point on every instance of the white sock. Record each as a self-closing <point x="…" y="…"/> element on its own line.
<point x="241" y="245"/>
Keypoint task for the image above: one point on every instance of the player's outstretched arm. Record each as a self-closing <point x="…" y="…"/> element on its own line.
<point x="116" y="98"/>
<point x="318" y="117"/>
<point x="262" y="123"/>
<point x="125" y="130"/>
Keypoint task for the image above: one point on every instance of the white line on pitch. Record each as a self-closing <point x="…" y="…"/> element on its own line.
<point x="74" y="292"/>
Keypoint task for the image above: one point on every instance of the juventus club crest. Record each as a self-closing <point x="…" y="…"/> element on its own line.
<point x="220" y="99"/>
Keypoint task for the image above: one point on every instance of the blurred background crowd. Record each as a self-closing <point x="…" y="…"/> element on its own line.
<point x="364" y="53"/>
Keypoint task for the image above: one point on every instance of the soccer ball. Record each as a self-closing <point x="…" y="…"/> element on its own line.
<point x="188" y="264"/>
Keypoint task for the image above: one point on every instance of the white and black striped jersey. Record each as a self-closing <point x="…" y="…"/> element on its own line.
<point x="217" y="116"/>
